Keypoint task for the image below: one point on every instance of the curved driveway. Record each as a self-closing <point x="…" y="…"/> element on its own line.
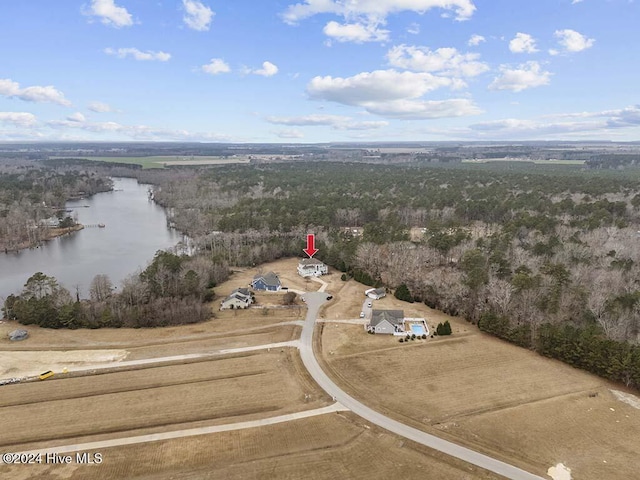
<point x="314" y="301"/>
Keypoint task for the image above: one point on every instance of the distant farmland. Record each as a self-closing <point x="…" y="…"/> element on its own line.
<point x="163" y="161"/>
<point x="526" y="160"/>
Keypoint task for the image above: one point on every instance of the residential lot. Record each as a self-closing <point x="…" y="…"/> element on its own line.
<point x="469" y="388"/>
<point x="492" y="396"/>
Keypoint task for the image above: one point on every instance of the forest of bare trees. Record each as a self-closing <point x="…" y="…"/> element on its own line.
<point x="517" y="252"/>
<point x="29" y="195"/>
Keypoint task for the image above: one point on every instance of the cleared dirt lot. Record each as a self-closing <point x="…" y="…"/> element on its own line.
<point x="488" y="394"/>
<point x="157" y="397"/>
<point x="333" y="446"/>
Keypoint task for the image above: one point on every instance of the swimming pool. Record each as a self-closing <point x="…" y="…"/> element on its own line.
<point x="418" y="329"/>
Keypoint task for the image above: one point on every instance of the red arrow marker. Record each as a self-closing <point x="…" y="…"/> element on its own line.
<point x="311" y="249"/>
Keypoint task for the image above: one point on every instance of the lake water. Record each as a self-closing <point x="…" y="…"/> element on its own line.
<point x="135" y="228"/>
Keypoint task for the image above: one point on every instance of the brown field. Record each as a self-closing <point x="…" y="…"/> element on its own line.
<point x="492" y="396"/>
<point x="470" y="388"/>
<point x="332" y="446"/>
<point x="167" y="396"/>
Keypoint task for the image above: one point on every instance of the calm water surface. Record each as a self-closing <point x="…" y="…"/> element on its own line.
<point x="135" y="228"/>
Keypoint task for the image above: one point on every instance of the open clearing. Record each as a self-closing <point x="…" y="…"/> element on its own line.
<point x="164" y="396"/>
<point x="332" y="446"/>
<point x="485" y="393"/>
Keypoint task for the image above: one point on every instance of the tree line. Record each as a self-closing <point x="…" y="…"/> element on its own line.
<point x="172" y="290"/>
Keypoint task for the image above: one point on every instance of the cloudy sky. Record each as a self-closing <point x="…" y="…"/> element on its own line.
<point x="319" y="70"/>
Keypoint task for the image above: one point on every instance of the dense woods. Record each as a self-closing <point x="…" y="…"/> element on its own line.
<point x="545" y="257"/>
<point x="29" y="196"/>
<point x="536" y="256"/>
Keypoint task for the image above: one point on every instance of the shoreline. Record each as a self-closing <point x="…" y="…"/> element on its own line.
<point x="51" y="234"/>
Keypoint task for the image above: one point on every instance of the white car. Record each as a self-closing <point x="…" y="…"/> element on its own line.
<point x="369" y="304"/>
<point x="361" y="314"/>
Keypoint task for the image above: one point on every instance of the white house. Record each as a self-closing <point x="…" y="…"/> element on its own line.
<point x="310" y="267"/>
<point x="376" y="293"/>
<point x="239" y="298"/>
<point x="386" y="321"/>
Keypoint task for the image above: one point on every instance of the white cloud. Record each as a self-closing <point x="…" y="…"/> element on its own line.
<point x="374" y="11"/>
<point x="109" y="13"/>
<point x="476" y="40"/>
<point x="424" y="109"/>
<point x="38" y="94"/>
<point x="138" y="54"/>
<point x="571" y="41"/>
<point x="527" y="75"/>
<point x="355" y="32"/>
<point x="576" y="1"/>
<point x="515" y="128"/>
<point x="337" y="122"/>
<point x="414" y="29"/>
<point x="446" y="61"/>
<point x="289" y="134"/>
<point x="523" y="43"/>
<point x="392" y="94"/>
<point x="268" y="70"/>
<point x="18" y="119"/>
<point x="77" y="117"/>
<point x="216" y="66"/>
<point x="197" y="15"/>
<point x="138" y="132"/>
<point x="364" y="17"/>
<point x="100" y="107"/>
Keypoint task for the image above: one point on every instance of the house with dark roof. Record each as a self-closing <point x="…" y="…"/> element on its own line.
<point x="267" y="281"/>
<point x="386" y="321"/>
<point x="310" y="267"/>
<point x="376" y="293"/>
<point x="239" y="298"/>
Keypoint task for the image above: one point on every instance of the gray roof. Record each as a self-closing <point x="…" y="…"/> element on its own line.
<point x="17" y="335"/>
<point x="379" y="291"/>
<point x="310" y="261"/>
<point x="394" y="317"/>
<point x="270" y="279"/>
<point x="242" y="294"/>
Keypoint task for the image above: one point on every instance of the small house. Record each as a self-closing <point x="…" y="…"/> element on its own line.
<point x="376" y="293"/>
<point x="240" y="298"/>
<point x="268" y="281"/>
<point x="386" y="322"/>
<point x="310" y="267"/>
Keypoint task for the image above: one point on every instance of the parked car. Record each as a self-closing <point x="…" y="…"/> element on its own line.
<point x="329" y="297"/>
<point x="361" y="314"/>
<point x="369" y="304"/>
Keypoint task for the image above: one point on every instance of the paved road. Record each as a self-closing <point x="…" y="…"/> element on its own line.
<point x="314" y="301"/>
<point x="154" y="437"/>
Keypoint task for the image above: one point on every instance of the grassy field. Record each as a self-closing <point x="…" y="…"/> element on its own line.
<point x="160" y="161"/>
<point x="333" y="446"/>
<point x="165" y="397"/>
<point x="488" y="394"/>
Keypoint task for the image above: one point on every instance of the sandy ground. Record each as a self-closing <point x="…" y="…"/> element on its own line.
<point x="25" y="364"/>
<point x="485" y="393"/>
<point x="332" y="446"/>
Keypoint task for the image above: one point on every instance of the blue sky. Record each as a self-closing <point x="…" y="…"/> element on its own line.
<point x="319" y="70"/>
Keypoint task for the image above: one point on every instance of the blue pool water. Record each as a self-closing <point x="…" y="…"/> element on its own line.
<point x="418" y="329"/>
